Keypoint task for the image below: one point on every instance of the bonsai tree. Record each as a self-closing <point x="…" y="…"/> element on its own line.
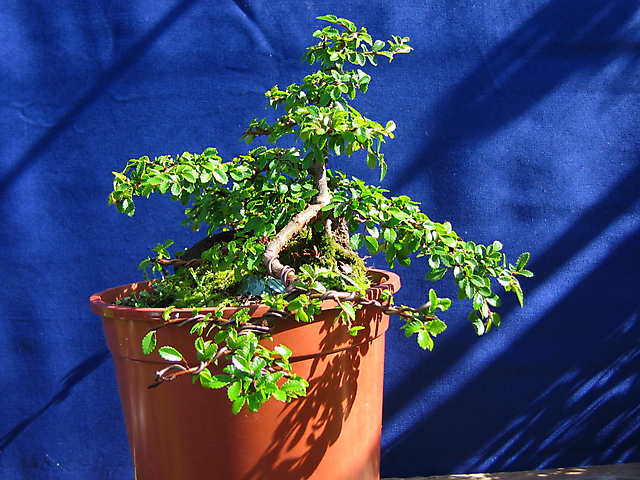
<point x="285" y="229"/>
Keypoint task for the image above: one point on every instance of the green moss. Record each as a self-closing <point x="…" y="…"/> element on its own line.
<point x="212" y="286"/>
<point x="319" y="250"/>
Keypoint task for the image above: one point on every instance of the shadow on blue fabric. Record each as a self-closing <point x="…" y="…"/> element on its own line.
<point x="539" y="56"/>
<point x="517" y="120"/>
<point x="70" y="380"/>
<point x="515" y="75"/>
<point x="112" y="74"/>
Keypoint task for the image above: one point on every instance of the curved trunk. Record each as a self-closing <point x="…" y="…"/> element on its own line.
<point x="270" y="260"/>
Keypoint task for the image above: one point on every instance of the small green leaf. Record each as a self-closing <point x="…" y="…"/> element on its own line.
<point x="372" y="245"/>
<point x="217" y="381"/>
<point x="149" y="342"/>
<point x="433" y="297"/>
<point x="254" y="402"/>
<point x="170" y="354"/>
<point x="353" y="331"/>
<point x="436" y="274"/>
<point x="280" y="395"/>
<point x="522" y="260"/>
<point x="518" y="291"/>
<point x="220" y="176"/>
<point x="391" y="126"/>
<point x="389" y="234"/>
<point x="436" y="327"/>
<point x="241" y="363"/>
<point x="356" y="241"/>
<point x="233" y="392"/>
<point x="477" y="323"/>
<point x="372" y="160"/>
<point x="424" y="340"/>
<point x="237" y="404"/>
<point x="349" y="310"/>
<point x="283" y="351"/>
<point x="302" y="316"/>
<point x="383" y="168"/>
<point x="378" y="45"/>
<point x="295" y="385"/>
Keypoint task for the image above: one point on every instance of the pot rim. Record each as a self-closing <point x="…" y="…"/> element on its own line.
<point x="101" y="302"/>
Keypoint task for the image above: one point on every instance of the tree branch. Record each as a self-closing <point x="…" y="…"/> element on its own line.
<point x="270" y="257"/>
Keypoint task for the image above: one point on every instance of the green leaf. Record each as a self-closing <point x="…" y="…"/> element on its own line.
<point x="170" y="354"/>
<point x="280" y="395"/>
<point x="390" y="254"/>
<point x="353" y="331"/>
<point x="389" y="234"/>
<point x="149" y="342"/>
<point x="424" y="340"/>
<point x="237" y="404"/>
<point x="254" y="402"/>
<point x="372" y="245"/>
<point x="233" y="392"/>
<point x="283" y="351"/>
<point x="433" y="297"/>
<point x="349" y="310"/>
<point x="253" y="223"/>
<point x="218" y="381"/>
<point x="477" y="323"/>
<point x="241" y="363"/>
<point x="302" y="315"/>
<point x="383" y="168"/>
<point x="436" y="274"/>
<point x="477" y="281"/>
<point x="220" y="176"/>
<point x="294" y="385"/>
<point x="404" y="261"/>
<point x="356" y="241"/>
<point x="372" y="160"/>
<point x="328" y="18"/>
<point x="518" y="291"/>
<point x="297" y="303"/>
<point x="522" y="260"/>
<point x="258" y="364"/>
<point x="436" y="327"/>
<point x="378" y="45"/>
<point x="391" y="126"/>
<point x="449" y="241"/>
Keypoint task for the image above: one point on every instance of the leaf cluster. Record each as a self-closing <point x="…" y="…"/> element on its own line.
<point x="253" y="373"/>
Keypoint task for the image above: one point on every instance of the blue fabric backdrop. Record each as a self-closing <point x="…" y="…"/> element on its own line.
<point x="516" y="120"/>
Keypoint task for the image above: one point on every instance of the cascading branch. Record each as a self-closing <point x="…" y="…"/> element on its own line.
<point x="281" y="213"/>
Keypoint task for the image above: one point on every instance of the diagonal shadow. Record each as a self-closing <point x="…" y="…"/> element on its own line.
<point x="580" y="411"/>
<point x="110" y="76"/>
<point x="71" y="379"/>
<point x="557" y="42"/>
<point x="520" y="58"/>
<point x="585" y="230"/>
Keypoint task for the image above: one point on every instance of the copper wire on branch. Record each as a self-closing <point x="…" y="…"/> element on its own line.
<point x="270" y="257"/>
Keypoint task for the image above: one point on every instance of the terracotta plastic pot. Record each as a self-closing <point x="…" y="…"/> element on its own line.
<point x="181" y="431"/>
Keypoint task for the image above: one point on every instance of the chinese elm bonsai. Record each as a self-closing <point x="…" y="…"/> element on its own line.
<point x="284" y="230"/>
